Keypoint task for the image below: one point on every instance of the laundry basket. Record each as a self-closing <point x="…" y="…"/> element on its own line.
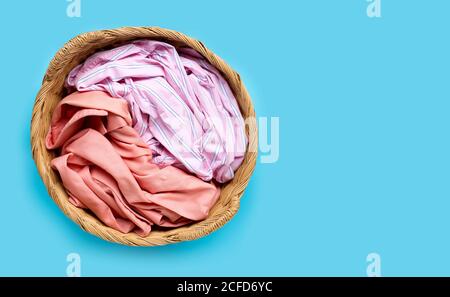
<point x="52" y="91"/>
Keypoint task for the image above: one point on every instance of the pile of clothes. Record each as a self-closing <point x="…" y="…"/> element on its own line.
<point x="146" y="136"/>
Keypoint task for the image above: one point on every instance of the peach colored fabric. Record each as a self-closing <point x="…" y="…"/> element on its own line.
<point x="107" y="168"/>
<point x="181" y="105"/>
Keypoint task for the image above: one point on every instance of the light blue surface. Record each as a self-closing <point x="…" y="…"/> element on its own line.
<point x="364" y="146"/>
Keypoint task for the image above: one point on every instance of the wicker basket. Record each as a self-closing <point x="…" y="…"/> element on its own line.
<point x="52" y="91"/>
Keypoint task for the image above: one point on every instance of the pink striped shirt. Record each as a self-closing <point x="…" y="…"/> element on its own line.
<point x="181" y="105"/>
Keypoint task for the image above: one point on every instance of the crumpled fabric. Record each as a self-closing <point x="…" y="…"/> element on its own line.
<point x="107" y="168"/>
<point x="180" y="104"/>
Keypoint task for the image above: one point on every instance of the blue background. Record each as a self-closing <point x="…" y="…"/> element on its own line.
<point x="364" y="146"/>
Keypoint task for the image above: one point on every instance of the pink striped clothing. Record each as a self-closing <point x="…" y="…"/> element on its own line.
<point x="181" y="105"/>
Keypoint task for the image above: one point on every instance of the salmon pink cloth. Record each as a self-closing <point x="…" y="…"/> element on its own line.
<point x="181" y="105"/>
<point x="106" y="167"/>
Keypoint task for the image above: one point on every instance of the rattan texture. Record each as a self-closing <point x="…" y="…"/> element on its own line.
<point x="52" y="91"/>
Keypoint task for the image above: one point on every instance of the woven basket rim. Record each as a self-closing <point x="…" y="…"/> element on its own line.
<point x="52" y="90"/>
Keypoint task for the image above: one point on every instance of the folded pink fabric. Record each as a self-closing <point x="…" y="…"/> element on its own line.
<point x="181" y="105"/>
<point x="106" y="167"/>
